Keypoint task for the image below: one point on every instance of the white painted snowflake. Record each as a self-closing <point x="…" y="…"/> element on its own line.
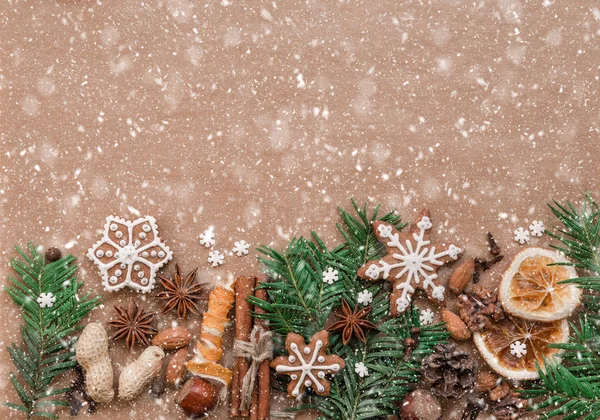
<point x="411" y="262"/>
<point x="330" y="276"/>
<point x="426" y="316"/>
<point x="241" y="248"/>
<point x="46" y="300"/>
<point x="361" y="369"/>
<point x="216" y="258"/>
<point x="365" y="297"/>
<point x="129" y="253"/>
<point x="537" y="228"/>
<point x="521" y="235"/>
<point x="518" y="349"/>
<point x="207" y="238"/>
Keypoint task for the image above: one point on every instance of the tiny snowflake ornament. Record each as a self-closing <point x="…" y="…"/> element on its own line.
<point x="330" y="276"/>
<point x="308" y="365"/>
<point x="365" y="297"/>
<point x="521" y="235"/>
<point x="361" y="369"/>
<point x="129" y="254"/>
<point x="46" y="300"/>
<point x="215" y="258"/>
<point x="411" y="262"/>
<point x="518" y="349"/>
<point x="241" y="248"/>
<point x="426" y="317"/>
<point x="207" y="238"/>
<point x="537" y="228"/>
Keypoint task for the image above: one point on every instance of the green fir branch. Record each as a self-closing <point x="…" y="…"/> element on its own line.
<point x="45" y="350"/>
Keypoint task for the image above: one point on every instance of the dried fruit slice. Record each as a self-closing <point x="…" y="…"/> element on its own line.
<point x="530" y="287"/>
<point x="494" y="345"/>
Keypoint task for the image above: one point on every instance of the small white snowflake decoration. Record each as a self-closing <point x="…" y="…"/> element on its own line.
<point x="330" y="276"/>
<point x="426" y="317"/>
<point x="521" y="235"/>
<point x="241" y="248"/>
<point x="537" y="228"/>
<point x="129" y="254"/>
<point x="207" y="238"/>
<point x="215" y="258"/>
<point x="46" y="300"/>
<point x="518" y="349"/>
<point x="365" y="297"/>
<point x="361" y="369"/>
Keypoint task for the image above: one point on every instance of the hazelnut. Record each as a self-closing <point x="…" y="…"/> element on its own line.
<point x="197" y="397"/>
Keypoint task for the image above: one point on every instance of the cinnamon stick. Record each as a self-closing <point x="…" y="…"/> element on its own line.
<point x="244" y="287"/>
<point x="261" y="397"/>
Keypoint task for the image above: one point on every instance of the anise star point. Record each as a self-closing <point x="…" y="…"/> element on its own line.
<point x="181" y="292"/>
<point x="132" y="323"/>
<point x="353" y="322"/>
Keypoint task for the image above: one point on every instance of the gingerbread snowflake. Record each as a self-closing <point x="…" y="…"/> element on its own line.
<point x="129" y="253"/>
<point x="411" y="262"/>
<point x="307" y="365"/>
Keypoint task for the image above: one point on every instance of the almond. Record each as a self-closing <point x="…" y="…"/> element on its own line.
<point x="455" y="326"/>
<point x="177" y="367"/>
<point x="173" y="338"/>
<point x="462" y="276"/>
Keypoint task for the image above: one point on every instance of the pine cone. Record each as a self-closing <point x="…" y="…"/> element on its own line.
<point x="509" y="408"/>
<point x="479" y="308"/>
<point x="449" y="371"/>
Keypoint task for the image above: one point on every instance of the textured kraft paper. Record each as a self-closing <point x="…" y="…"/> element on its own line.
<point x="260" y="118"/>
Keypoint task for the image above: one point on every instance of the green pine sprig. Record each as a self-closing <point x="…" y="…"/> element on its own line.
<point x="301" y="302"/>
<point x="47" y="333"/>
<point x="569" y="387"/>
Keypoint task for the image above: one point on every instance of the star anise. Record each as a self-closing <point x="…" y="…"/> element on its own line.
<point x="133" y="324"/>
<point x="181" y="292"/>
<point x="353" y="322"/>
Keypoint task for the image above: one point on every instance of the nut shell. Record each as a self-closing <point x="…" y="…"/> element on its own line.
<point x="137" y="375"/>
<point x="172" y="338"/>
<point x="92" y="354"/>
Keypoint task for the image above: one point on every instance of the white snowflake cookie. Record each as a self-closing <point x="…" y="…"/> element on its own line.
<point x="537" y="228"/>
<point x="207" y="239"/>
<point x="365" y="297"/>
<point x="330" y="276"/>
<point x="241" y="248"/>
<point x="46" y="300"/>
<point x="361" y="370"/>
<point x="518" y="349"/>
<point x="521" y="235"/>
<point x="129" y="254"/>
<point x="426" y="317"/>
<point x="215" y="258"/>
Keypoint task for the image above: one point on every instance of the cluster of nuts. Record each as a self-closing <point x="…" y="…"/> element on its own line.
<point x="196" y="397"/>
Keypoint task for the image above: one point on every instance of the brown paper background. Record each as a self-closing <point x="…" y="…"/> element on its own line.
<point x="261" y="117"/>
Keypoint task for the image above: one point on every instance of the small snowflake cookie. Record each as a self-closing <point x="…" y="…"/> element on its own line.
<point x="426" y="317"/>
<point x="411" y="263"/>
<point x="518" y="349"/>
<point x="521" y="235"/>
<point x="537" y="228"/>
<point x="308" y="365"/>
<point x="365" y="297"/>
<point x="215" y="258"/>
<point x="330" y="276"/>
<point x="207" y="238"/>
<point x="241" y="248"/>
<point x="129" y="254"/>
<point x="361" y="370"/>
<point x="46" y="300"/>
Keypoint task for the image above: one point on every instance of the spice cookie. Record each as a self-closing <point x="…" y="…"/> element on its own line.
<point x="129" y="254"/>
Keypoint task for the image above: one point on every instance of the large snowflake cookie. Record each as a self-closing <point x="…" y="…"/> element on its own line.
<point x="411" y="262"/>
<point x="129" y="253"/>
<point x="307" y="365"/>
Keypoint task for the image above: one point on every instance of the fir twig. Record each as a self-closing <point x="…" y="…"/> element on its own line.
<point x="45" y="351"/>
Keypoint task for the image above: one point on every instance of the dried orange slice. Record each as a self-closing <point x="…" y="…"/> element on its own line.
<point x="530" y="288"/>
<point x="512" y="346"/>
